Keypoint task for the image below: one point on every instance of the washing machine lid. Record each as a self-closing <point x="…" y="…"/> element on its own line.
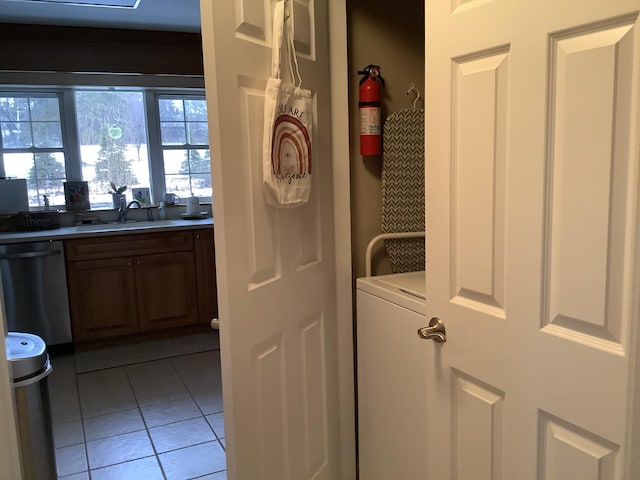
<point x="27" y="354"/>
<point x="406" y="289"/>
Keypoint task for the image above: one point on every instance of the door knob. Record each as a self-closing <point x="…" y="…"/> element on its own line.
<point x="435" y="331"/>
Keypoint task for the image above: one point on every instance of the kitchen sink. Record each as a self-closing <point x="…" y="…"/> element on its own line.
<point x="128" y="225"/>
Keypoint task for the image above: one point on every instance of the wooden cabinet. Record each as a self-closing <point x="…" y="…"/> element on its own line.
<point x="206" y="275"/>
<point x="103" y="298"/>
<point x="132" y="284"/>
<point x="166" y="290"/>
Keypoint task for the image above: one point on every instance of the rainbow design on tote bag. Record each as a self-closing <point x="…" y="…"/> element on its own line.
<point x="291" y="148"/>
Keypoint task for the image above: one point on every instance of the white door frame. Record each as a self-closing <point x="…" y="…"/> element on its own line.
<point x="342" y="197"/>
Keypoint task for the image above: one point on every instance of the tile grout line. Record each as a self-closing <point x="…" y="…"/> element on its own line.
<point x="146" y="428"/>
<point x="84" y="436"/>
<point x="144" y="422"/>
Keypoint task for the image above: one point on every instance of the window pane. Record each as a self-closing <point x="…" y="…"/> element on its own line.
<point x="16" y="134"/>
<point x="178" y="184"/>
<point x="48" y="166"/>
<point x="53" y="189"/>
<point x="18" y="165"/>
<point x="199" y="161"/>
<point x="47" y="134"/>
<point x="45" y="109"/>
<point x="195" y="110"/>
<point x="176" y="161"/>
<point x="46" y="179"/>
<point x="171" y="109"/>
<point x="173" y="133"/>
<point x="113" y="142"/>
<point x="44" y="172"/>
<point x="188" y="171"/>
<point x="14" y="109"/>
<point x="198" y="133"/>
<point x="201" y="185"/>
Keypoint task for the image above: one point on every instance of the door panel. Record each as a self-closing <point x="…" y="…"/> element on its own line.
<point x="477" y="428"/>
<point x="532" y="208"/>
<point x="567" y="451"/>
<point x="584" y="277"/>
<point x="479" y="167"/>
<point x="276" y="272"/>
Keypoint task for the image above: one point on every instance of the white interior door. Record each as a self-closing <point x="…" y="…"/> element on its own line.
<point x="532" y="210"/>
<point x="276" y="271"/>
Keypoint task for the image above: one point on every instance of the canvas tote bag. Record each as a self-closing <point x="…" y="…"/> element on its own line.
<point x="287" y="124"/>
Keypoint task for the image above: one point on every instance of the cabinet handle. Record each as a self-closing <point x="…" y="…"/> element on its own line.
<point x="137" y="262"/>
<point x="197" y="236"/>
<point x="129" y="264"/>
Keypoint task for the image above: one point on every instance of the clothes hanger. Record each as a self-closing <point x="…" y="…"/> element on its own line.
<point x="412" y="88"/>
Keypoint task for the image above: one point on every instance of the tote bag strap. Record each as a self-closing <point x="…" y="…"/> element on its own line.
<point x="277" y="37"/>
<point x="293" y="59"/>
<point x="283" y="31"/>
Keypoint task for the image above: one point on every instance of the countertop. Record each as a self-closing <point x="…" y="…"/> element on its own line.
<point x="105" y="229"/>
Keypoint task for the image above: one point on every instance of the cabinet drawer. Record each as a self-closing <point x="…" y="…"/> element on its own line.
<point x="128" y="245"/>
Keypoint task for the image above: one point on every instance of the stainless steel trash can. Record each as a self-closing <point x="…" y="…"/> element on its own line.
<point x="30" y="366"/>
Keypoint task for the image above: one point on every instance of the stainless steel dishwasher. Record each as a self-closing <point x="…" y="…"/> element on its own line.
<point x="34" y="283"/>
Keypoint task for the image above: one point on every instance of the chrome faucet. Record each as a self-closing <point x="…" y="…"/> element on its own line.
<point x="124" y="209"/>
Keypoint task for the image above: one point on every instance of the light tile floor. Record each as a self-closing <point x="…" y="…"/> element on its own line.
<point x="153" y="419"/>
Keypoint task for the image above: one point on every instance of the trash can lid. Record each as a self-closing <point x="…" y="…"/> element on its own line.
<point x="26" y="353"/>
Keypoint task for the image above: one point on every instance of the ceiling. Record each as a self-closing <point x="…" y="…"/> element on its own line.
<point x="167" y="15"/>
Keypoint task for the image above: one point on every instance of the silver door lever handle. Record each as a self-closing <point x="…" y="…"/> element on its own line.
<point x="435" y="331"/>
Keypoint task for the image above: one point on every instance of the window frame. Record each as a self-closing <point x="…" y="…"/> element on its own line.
<point x="153" y="87"/>
<point x="158" y="95"/>
<point x="66" y="148"/>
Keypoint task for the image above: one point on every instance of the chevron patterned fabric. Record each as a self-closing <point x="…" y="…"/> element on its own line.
<point x="403" y="188"/>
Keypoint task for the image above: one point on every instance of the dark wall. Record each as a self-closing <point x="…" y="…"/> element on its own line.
<point x="79" y="49"/>
<point x="393" y="38"/>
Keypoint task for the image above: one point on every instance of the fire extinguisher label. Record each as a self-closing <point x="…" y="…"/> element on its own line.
<point x="370" y="121"/>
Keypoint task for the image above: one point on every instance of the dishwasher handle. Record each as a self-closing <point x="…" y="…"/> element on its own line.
<point x="17" y="256"/>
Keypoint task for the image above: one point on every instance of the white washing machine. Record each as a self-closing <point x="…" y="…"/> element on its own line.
<point x="392" y="385"/>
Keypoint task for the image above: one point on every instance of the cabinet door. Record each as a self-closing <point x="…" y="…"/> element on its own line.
<point x="166" y="290"/>
<point x="102" y="298"/>
<point x="206" y="275"/>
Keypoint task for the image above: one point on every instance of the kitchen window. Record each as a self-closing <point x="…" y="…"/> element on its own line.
<point x="138" y="137"/>
<point x="185" y="145"/>
<point x="32" y="144"/>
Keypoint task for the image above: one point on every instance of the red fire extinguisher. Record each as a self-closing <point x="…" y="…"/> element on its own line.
<point x="370" y="117"/>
